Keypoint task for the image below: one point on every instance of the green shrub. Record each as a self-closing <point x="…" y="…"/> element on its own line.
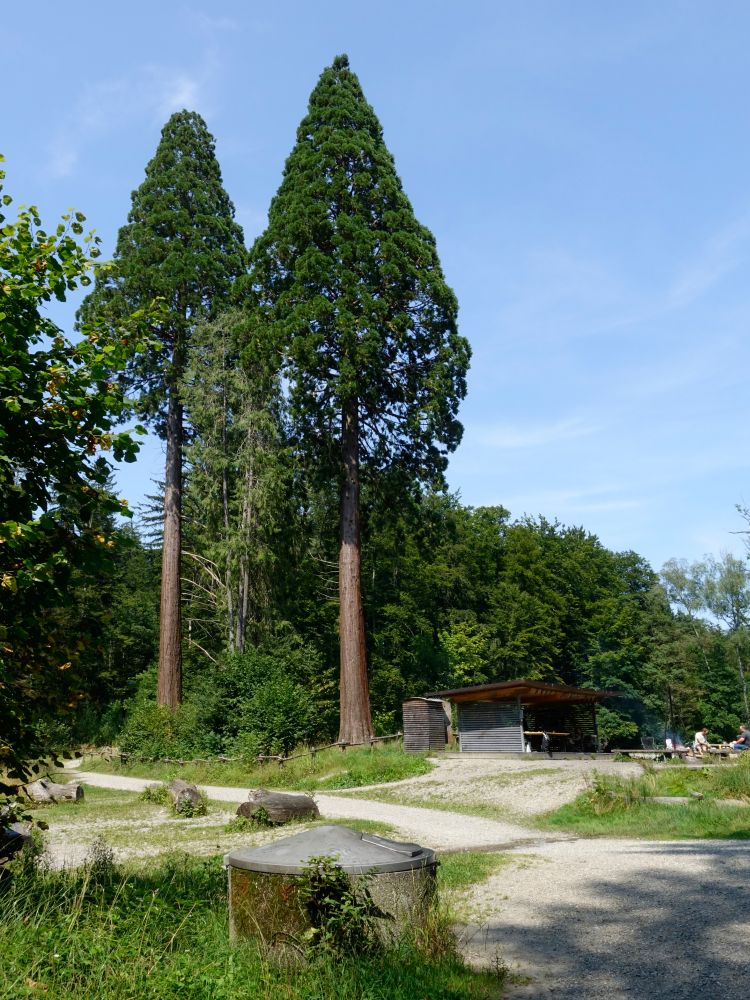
<point x="240" y="824"/>
<point x="158" y="794"/>
<point x="341" y="913"/>
<point x="154" y="731"/>
<point x="264" y="701"/>
<point x="277" y="718"/>
<point x="189" y="809"/>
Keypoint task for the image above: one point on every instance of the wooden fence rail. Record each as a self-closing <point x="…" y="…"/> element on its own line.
<point x="279" y="759"/>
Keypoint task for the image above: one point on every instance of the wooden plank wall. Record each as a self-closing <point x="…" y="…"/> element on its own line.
<point x="425" y="725"/>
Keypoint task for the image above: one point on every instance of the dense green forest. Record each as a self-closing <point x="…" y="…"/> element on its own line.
<point x="303" y="542"/>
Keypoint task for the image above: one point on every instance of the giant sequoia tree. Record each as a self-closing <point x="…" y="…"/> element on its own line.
<point x="351" y="285"/>
<point x="180" y="246"/>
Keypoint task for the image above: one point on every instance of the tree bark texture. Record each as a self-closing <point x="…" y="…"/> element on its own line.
<point x="44" y="790"/>
<point x="184" y="795"/>
<point x="278" y="807"/>
<point x="169" y="681"/>
<point x="356" y="722"/>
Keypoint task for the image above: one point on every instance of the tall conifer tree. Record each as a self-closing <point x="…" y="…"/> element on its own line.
<point x="351" y="284"/>
<point x="182" y="246"/>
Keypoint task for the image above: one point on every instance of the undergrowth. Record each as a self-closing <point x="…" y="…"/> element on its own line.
<point x="104" y="932"/>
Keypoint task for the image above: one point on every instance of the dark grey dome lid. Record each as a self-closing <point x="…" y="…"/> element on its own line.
<point x="356" y="853"/>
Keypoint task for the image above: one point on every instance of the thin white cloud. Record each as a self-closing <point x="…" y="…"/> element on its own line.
<point x="182" y="91"/>
<point x="721" y="254"/>
<point x="507" y="436"/>
<point x="149" y="92"/>
<point x="204" y="22"/>
<point x="62" y="158"/>
<point x="564" y="297"/>
<point x="571" y="503"/>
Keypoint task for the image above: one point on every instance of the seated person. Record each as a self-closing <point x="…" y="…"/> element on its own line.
<point x="743" y="740"/>
<point x="700" y="742"/>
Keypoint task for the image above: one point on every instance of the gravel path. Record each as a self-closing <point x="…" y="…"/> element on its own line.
<point x="609" y="919"/>
<point x="443" y="831"/>
<point x="582" y="919"/>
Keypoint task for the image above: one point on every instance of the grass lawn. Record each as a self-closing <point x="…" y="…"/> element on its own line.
<point x="159" y="932"/>
<point x="155" y="925"/>
<point x="326" y="771"/>
<point x="620" y="807"/>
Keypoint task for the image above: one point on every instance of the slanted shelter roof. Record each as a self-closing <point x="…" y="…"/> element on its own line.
<point x="530" y="693"/>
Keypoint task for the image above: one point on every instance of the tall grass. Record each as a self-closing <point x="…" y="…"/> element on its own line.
<point x="621" y="807"/>
<point x="105" y="933"/>
<point x="328" y="769"/>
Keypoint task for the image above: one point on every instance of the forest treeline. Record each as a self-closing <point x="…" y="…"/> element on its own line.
<point x="453" y="595"/>
<point x="303" y="568"/>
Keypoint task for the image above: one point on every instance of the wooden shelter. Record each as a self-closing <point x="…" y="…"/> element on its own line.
<point x="511" y="716"/>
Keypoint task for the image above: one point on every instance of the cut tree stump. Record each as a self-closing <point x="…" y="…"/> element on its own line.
<point x="185" y="797"/>
<point x="278" y="807"/>
<point x="44" y="790"/>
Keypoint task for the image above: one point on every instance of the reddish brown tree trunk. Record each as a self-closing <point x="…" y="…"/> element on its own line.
<point x="169" y="680"/>
<point x="356" y="722"/>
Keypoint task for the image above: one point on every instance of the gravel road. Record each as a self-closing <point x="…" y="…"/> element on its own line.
<point x="582" y="919"/>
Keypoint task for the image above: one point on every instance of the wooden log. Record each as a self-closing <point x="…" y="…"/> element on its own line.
<point x="278" y="807"/>
<point x="185" y="797"/>
<point x="44" y="790"/>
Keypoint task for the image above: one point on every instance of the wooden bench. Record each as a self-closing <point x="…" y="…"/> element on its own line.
<point x="658" y="753"/>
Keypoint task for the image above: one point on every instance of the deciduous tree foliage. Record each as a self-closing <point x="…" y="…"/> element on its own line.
<point x="351" y="287"/>
<point x="58" y="407"/>
<point x="180" y="246"/>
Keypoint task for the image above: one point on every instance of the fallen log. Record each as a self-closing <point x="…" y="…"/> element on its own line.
<point x="278" y="807"/>
<point x="44" y="790"/>
<point x="185" y="797"/>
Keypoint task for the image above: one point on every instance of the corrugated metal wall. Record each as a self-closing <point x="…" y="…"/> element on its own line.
<point x="425" y="725"/>
<point x="490" y="725"/>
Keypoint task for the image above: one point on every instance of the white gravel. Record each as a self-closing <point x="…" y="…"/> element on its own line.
<point x="608" y="919"/>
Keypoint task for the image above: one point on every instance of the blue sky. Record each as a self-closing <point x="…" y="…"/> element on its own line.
<point x="585" y="168"/>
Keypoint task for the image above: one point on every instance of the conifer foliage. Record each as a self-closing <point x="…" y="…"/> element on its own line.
<point x="180" y="246"/>
<point x="352" y="288"/>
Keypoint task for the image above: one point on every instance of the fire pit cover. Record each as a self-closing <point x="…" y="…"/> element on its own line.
<point x="356" y="853"/>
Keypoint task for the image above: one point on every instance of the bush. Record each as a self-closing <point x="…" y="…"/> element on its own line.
<point x="275" y="719"/>
<point x="159" y="794"/>
<point x="264" y="701"/>
<point x="341" y="913"/>
<point x="153" y="731"/>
